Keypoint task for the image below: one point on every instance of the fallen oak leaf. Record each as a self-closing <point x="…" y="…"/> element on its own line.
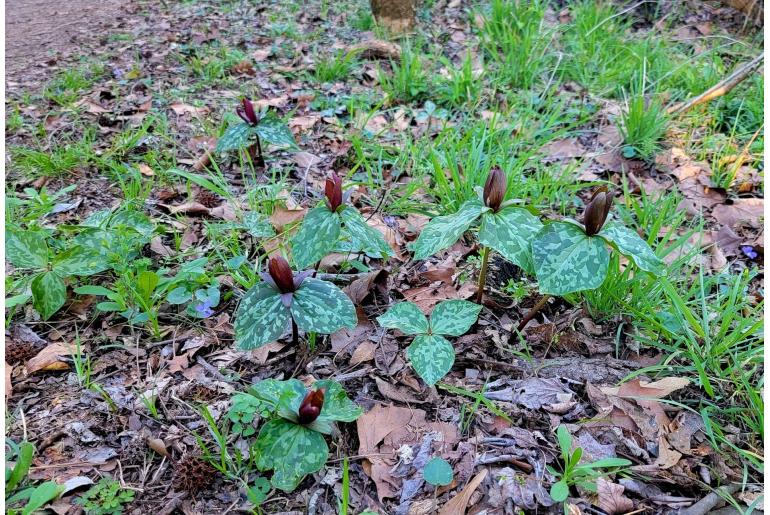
<point x="611" y="498"/>
<point x="188" y="208"/>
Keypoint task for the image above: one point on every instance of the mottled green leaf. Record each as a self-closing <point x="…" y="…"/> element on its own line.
<point x="364" y="236"/>
<point x="274" y="131"/>
<point x="317" y="235"/>
<point x="453" y="317"/>
<point x="291" y="451"/>
<point x="443" y="231"/>
<point x="80" y="261"/>
<point x="438" y="472"/>
<point x="26" y="249"/>
<point x="236" y="137"/>
<point x="270" y="391"/>
<point x="337" y="406"/>
<point x="257" y="225"/>
<point x="134" y="220"/>
<point x="510" y="232"/>
<point x="48" y="294"/>
<point x="406" y="317"/>
<point x="631" y="245"/>
<point x="321" y="307"/>
<point x="567" y="260"/>
<point x="432" y="357"/>
<point x="261" y="317"/>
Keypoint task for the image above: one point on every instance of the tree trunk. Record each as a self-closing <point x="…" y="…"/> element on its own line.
<point x="395" y="15"/>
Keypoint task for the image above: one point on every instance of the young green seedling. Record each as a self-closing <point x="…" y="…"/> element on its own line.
<point x="311" y="304"/>
<point x="322" y="226"/>
<point x="504" y="228"/>
<point x="291" y="442"/>
<point x="256" y="126"/>
<point x="431" y="354"/>
<point x="571" y="257"/>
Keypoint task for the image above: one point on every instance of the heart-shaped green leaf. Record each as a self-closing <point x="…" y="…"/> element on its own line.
<point x="80" y="261"/>
<point x="321" y="307"/>
<point x="261" y="317"/>
<point x="453" y="317"/>
<point x="272" y="130"/>
<point x="26" y="249"/>
<point x="236" y="137"/>
<point x="443" y="231"/>
<point x="567" y="260"/>
<point x="291" y="451"/>
<point x="406" y="317"/>
<point x="510" y="232"/>
<point x="631" y="245"/>
<point x="48" y="294"/>
<point x="337" y="406"/>
<point x="432" y="357"/>
<point x="364" y="236"/>
<point x="438" y="472"/>
<point x="316" y="237"/>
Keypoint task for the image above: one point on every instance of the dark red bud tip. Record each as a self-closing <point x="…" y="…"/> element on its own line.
<point x="280" y="271"/>
<point x="247" y="112"/>
<point x="597" y="210"/>
<point x="333" y="191"/>
<point x="494" y="189"/>
<point x="311" y="406"/>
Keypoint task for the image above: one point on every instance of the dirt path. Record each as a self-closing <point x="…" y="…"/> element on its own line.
<point x="39" y="31"/>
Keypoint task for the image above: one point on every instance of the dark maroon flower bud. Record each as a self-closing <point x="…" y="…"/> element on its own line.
<point x="247" y="112"/>
<point x="333" y="191"/>
<point x="494" y="189"/>
<point x="311" y="406"/>
<point x="280" y="272"/>
<point x="597" y="210"/>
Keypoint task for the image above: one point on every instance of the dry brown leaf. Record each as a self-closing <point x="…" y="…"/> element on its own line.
<point x="304" y="123"/>
<point x="377" y="49"/>
<point x="640" y="389"/>
<point x="181" y="108"/>
<point x="50" y="358"/>
<point x="459" y="503"/>
<point x="611" y="498"/>
<point x="364" y="352"/>
<point x="8" y="385"/>
<point x="284" y="216"/>
<point x="188" y="208"/>
<point x="145" y="170"/>
<point x="745" y="210"/>
<point x="305" y="159"/>
<point x="564" y="149"/>
<point x="159" y="446"/>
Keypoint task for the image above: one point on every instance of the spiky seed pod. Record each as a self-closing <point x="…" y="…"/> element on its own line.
<point x="192" y="474"/>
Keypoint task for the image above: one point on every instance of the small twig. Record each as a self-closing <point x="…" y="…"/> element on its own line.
<point x="709" y="502"/>
<point x="531" y="314"/>
<point x="352" y="375"/>
<point x="211" y="369"/>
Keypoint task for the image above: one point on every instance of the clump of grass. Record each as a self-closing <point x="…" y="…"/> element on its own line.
<point x="67" y="86"/>
<point x="407" y="81"/>
<point x="642" y="122"/>
<point x="463" y="86"/>
<point x="59" y="160"/>
<point x="335" y="67"/>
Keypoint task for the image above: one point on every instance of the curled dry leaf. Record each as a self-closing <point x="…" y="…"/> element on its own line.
<point x="50" y="358"/>
<point x="611" y="498"/>
<point x="459" y="503"/>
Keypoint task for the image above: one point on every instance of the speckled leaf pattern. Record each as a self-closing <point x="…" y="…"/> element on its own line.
<point x="631" y="245"/>
<point x="26" y="249"/>
<point x="510" y="232"/>
<point x="270" y="391"/>
<point x="432" y="357"/>
<point x="272" y="130"/>
<point x="316" y="237"/>
<point x="48" y="294"/>
<point x="235" y="137"/>
<point x="453" y="317"/>
<point x="257" y="225"/>
<point x="364" y="236"/>
<point x="443" y="231"/>
<point x="337" y="406"/>
<point x="406" y="317"/>
<point x="566" y="260"/>
<point x="291" y="451"/>
<point x="80" y="261"/>
<point x="261" y="318"/>
<point x="321" y="307"/>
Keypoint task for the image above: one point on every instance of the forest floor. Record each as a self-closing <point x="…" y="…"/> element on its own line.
<point x="123" y="379"/>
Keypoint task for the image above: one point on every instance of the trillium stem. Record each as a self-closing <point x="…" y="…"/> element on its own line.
<point x="259" y="160"/>
<point x="532" y="312"/>
<point x="482" y="275"/>
<point x="294" y="332"/>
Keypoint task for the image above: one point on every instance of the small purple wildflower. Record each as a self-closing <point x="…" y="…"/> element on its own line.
<point x="204" y="309"/>
<point x="749" y="251"/>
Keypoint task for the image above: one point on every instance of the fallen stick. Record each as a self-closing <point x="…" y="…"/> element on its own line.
<point x="721" y="88"/>
<point x="709" y="502"/>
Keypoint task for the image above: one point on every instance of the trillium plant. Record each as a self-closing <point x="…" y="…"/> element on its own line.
<point x="504" y="228"/>
<point x="284" y="296"/>
<point x="257" y="126"/>
<point x="322" y="226"/>
<point x="430" y="353"/>
<point x="291" y="442"/>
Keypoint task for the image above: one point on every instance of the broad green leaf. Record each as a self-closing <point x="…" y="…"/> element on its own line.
<point x="406" y="317"/>
<point x="337" y="406"/>
<point x="97" y="219"/>
<point x="565" y="441"/>
<point x="510" y="232"/>
<point x="236" y="137"/>
<point x="80" y="261"/>
<point x="291" y="451"/>
<point x="42" y="495"/>
<point x="92" y="289"/>
<point x="133" y="220"/>
<point x="438" y="472"/>
<point x="270" y="391"/>
<point x="48" y="294"/>
<point x="257" y="225"/>
<point x="631" y="245"/>
<point x="566" y="260"/>
<point x="16" y="300"/>
<point x="274" y="131"/>
<point x="178" y="295"/>
<point x="559" y="491"/>
<point x="453" y="317"/>
<point x="146" y="282"/>
<point x="321" y="307"/>
<point x="364" y="236"/>
<point x="432" y="357"/>
<point x="261" y="317"/>
<point x="316" y="237"/>
<point x="26" y="249"/>
<point x="20" y="469"/>
<point x="443" y="231"/>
